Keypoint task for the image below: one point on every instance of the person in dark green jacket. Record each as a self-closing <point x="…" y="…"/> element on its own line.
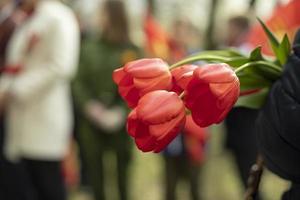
<point x="102" y="113"/>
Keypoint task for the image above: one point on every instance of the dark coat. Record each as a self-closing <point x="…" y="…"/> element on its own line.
<point x="278" y="124"/>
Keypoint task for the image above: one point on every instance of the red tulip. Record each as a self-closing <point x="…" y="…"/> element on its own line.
<point x="139" y="77"/>
<point x="194" y="138"/>
<point x="156" y="120"/>
<point x="194" y="130"/>
<point x="211" y="93"/>
<point x="182" y="76"/>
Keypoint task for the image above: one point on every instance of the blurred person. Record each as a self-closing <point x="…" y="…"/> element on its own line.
<point x="11" y="187"/>
<point x="7" y="26"/>
<point x="11" y="15"/>
<point x="240" y="121"/>
<point x="238" y="27"/>
<point x="184" y="156"/>
<point x="178" y="42"/>
<point x="35" y="91"/>
<point x="185" y="39"/>
<point x="101" y="129"/>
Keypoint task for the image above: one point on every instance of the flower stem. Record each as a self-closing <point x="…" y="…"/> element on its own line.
<point x="258" y="63"/>
<point x="198" y="58"/>
<point x="188" y="112"/>
<point x="181" y="95"/>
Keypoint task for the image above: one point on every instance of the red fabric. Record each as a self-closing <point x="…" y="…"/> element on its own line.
<point x="156" y="120"/>
<point x="248" y="92"/>
<point x="70" y="169"/>
<point x="139" y="77"/>
<point x="211" y="93"/>
<point x="285" y="19"/>
<point x="12" y="70"/>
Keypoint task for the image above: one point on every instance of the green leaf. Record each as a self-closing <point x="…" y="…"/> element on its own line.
<point x="260" y="64"/>
<point x="250" y="81"/>
<point x="256" y="55"/>
<point x="273" y="40"/>
<point x="254" y="101"/>
<point x="284" y="50"/>
<point x="236" y="62"/>
<point x="281" y="50"/>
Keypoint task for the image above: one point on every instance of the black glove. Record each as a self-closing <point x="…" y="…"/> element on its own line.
<point x="278" y="123"/>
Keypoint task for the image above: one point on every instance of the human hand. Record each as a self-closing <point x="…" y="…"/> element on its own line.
<point x="113" y="119"/>
<point x="94" y="110"/>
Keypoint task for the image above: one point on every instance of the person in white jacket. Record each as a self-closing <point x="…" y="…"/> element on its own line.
<point x="35" y="91"/>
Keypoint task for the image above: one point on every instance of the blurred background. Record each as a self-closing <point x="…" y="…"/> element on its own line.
<point x="102" y="161"/>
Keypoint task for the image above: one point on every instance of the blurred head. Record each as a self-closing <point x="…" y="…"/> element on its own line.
<point x="27" y="5"/>
<point x="180" y="31"/>
<point x="238" y="28"/>
<point x="114" y="21"/>
<point x="185" y="34"/>
<point x="3" y="3"/>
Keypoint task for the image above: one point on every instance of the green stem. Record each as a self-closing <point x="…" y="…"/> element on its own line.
<point x="188" y="112"/>
<point x="256" y="63"/>
<point x="199" y="58"/>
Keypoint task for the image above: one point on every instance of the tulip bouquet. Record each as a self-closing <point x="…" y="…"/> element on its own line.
<point x="162" y="97"/>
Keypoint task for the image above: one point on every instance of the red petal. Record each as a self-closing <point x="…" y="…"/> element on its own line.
<point x="194" y="90"/>
<point x="164" y="140"/>
<point x="146" y="68"/>
<point x="206" y="113"/>
<point x="143" y="139"/>
<point x="130" y="95"/>
<point x="183" y="75"/>
<point x="176" y="88"/>
<point x="135" y="128"/>
<point x="145" y="144"/>
<point x="132" y="123"/>
<point x="215" y="73"/>
<point x="161" y="130"/>
<point x="159" y="106"/>
<point x="163" y="82"/>
<point x="118" y="75"/>
<point x="127" y="80"/>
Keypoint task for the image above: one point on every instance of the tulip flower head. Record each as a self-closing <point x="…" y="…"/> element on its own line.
<point x="139" y="77"/>
<point x="211" y="93"/>
<point x="161" y="95"/>
<point x="156" y="121"/>
<point x="182" y="76"/>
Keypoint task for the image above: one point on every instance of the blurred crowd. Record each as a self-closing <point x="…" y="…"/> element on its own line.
<point x="61" y="114"/>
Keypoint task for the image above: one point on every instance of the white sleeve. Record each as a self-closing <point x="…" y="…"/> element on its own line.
<point x="59" y="65"/>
